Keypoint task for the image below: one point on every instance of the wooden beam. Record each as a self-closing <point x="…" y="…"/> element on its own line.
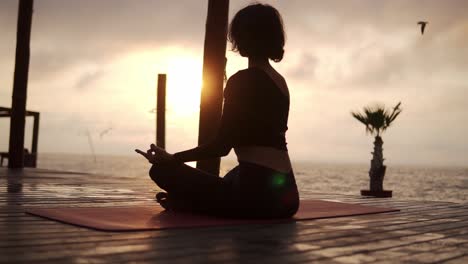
<point x="6" y="112"/>
<point x="161" y="112"/>
<point x="20" y="84"/>
<point x="213" y="78"/>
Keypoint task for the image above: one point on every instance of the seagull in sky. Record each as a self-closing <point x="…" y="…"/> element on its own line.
<point x="423" y="26"/>
<point x="105" y="131"/>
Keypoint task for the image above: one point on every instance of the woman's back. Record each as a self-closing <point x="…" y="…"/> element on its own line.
<point x="267" y="106"/>
<point x="257" y="109"/>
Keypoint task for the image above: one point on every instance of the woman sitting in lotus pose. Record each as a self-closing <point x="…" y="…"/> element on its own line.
<point x="254" y="123"/>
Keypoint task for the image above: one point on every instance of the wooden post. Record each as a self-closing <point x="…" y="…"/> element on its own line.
<point x="35" y="138"/>
<point x="20" y="84"/>
<point x="161" y="112"/>
<point x="213" y="78"/>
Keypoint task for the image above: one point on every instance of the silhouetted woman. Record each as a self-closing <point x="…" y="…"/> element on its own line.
<point x="254" y="122"/>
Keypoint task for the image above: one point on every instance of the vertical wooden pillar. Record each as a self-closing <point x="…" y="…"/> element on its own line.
<point x="213" y="78"/>
<point x="35" y="139"/>
<point x="20" y="84"/>
<point x="161" y="112"/>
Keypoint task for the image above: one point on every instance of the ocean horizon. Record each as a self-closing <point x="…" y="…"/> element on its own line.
<point x="408" y="182"/>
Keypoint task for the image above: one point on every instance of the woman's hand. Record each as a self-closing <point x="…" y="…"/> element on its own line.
<point x="155" y="154"/>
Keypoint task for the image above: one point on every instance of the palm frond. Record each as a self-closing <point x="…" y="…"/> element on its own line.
<point x="363" y="119"/>
<point x="396" y="111"/>
<point x="359" y="117"/>
<point x="377" y="118"/>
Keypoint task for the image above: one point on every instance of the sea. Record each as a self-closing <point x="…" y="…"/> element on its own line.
<point x="421" y="183"/>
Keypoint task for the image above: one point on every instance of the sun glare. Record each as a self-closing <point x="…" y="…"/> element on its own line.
<point x="184" y="81"/>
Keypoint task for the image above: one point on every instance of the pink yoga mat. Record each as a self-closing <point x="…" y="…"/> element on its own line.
<point x="152" y="218"/>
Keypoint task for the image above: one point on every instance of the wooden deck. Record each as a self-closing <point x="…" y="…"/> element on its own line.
<point x="422" y="232"/>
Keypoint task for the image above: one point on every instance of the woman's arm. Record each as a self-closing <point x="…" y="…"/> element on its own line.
<point x="230" y="122"/>
<point x="211" y="150"/>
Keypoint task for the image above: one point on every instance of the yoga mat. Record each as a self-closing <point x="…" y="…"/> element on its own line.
<point x="153" y="218"/>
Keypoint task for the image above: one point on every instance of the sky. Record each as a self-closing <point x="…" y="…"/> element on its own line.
<point x="94" y="67"/>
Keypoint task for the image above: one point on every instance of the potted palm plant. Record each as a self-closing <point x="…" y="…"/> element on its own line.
<point x="377" y="119"/>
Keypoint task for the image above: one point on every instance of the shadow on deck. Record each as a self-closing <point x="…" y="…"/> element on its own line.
<point x="422" y="232"/>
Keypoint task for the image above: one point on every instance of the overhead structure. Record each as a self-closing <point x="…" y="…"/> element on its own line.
<point x="214" y="57"/>
<point x="20" y="84"/>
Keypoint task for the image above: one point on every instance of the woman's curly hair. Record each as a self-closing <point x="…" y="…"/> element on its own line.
<point x="257" y="31"/>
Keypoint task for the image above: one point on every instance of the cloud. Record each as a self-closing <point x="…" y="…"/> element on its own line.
<point x="304" y="67"/>
<point x="88" y="78"/>
<point x="377" y="44"/>
<point x="422" y="59"/>
<point x="340" y="55"/>
<point x="67" y="33"/>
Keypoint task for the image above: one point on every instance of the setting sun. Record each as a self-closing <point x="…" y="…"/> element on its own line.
<point x="135" y="77"/>
<point x="183" y="84"/>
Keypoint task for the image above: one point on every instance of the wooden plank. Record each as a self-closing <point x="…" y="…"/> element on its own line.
<point x="421" y="230"/>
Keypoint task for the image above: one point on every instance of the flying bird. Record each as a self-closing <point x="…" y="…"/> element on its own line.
<point x="423" y="26"/>
<point x="105" y="131"/>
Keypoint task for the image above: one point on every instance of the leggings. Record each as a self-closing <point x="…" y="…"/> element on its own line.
<point x="247" y="191"/>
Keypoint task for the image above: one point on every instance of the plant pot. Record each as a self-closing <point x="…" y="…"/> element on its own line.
<point x="378" y="194"/>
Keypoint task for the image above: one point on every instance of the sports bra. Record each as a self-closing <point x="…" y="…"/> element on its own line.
<point x="255" y="113"/>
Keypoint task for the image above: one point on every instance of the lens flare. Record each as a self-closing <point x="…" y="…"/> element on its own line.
<point x="278" y="180"/>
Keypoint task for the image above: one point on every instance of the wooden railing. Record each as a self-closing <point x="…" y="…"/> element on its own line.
<point x="30" y="157"/>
